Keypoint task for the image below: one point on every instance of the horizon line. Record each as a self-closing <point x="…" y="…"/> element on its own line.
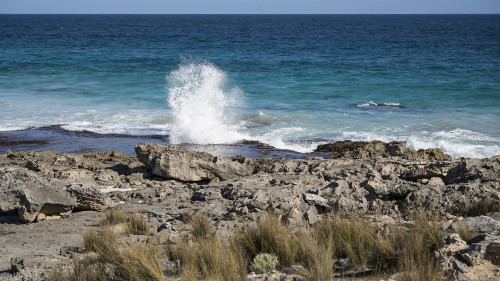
<point x="243" y="14"/>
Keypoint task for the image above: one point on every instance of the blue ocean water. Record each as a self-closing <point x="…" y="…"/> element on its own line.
<point x="288" y="81"/>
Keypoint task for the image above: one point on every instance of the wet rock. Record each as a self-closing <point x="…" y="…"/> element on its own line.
<point x="378" y="149"/>
<point x="172" y="162"/>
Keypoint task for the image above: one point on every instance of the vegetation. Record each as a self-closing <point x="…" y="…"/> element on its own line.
<point x="114" y="216"/>
<point x="264" y="262"/>
<point x="137" y="224"/>
<point x="270" y="244"/>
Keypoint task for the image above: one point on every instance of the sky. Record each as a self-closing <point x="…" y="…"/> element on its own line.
<point x="249" y="6"/>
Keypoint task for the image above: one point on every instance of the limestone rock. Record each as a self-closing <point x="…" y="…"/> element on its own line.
<point x="172" y="162"/>
<point x="89" y="198"/>
<point x="44" y="200"/>
<point x="379" y="149"/>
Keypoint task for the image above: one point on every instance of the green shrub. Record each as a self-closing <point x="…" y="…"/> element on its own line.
<point x="264" y="262"/>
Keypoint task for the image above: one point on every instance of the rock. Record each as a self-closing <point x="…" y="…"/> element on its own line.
<point x="483" y="246"/>
<point x="311" y="216"/>
<point x="172" y="162"/>
<point x="378" y="149"/>
<point x="315" y="200"/>
<point x="293" y="218"/>
<point x="454" y="244"/>
<point x="467" y="170"/>
<point x="492" y="252"/>
<point x="435" y="181"/>
<point x="89" y="198"/>
<point x="12" y="181"/>
<point x="44" y="200"/>
<point x="420" y="174"/>
<point x="481" y="224"/>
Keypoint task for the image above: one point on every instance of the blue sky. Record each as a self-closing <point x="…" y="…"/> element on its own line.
<point x="250" y="6"/>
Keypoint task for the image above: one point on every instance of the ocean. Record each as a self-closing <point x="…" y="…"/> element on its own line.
<point x="262" y="85"/>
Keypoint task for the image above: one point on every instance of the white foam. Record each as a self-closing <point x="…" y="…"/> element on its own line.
<point x="202" y="105"/>
<point x="464" y="134"/>
<point x="371" y="103"/>
<point x="367" y="104"/>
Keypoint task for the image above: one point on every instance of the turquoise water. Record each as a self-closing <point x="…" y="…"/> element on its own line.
<point x="288" y="81"/>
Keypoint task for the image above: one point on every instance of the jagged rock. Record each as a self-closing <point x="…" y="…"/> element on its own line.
<point x="480" y="224"/>
<point x="172" y="162"/>
<point x="454" y="244"/>
<point x="483" y="246"/>
<point x="294" y="218"/>
<point x="379" y="149"/>
<point x="45" y="200"/>
<point x="420" y="174"/>
<point x="472" y="169"/>
<point x="311" y="215"/>
<point x="89" y="198"/>
<point x="28" y="194"/>
<point x="315" y="199"/>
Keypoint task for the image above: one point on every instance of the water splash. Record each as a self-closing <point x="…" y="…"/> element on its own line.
<point x="202" y="105"/>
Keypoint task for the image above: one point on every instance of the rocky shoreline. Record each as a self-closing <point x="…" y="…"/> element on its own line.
<point x="48" y="199"/>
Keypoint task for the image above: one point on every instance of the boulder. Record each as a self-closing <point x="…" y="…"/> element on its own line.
<point x="172" y="162"/>
<point x="483" y="246"/>
<point x="89" y="198"/>
<point x="44" y="200"/>
<point x="29" y="195"/>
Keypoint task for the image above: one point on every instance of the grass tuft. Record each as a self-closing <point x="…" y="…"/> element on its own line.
<point x="114" y="216"/>
<point x="427" y="224"/>
<point x="465" y="232"/>
<point x="269" y="235"/>
<point x="137" y="225"/>
<point x="202" y="228"/>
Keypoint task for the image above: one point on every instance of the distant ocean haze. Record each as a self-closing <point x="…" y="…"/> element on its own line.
<point x="287" y="81"/>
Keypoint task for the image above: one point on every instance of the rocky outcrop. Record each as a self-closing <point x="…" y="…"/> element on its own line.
<point x="32" y="196"/>
<point x="379" y="149"/>
<point x="165" y="182"/>
<point x="172" y="162"/>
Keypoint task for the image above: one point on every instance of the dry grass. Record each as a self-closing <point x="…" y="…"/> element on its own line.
<point x="202" y="256"/>
<point x="137" y="224"/>
<point x="427" y="224"/>
<point x="91" y="240"/>
<point x="269" y="235"/>
<point x="82" y="272"/>
<point x="465" y="232"/>
<point x="209" y="259"/>
<point x="139" y="262"/>
<point x="114" y="216"/>
<point x="416" y="262"/>
<point x="314" y="256"/>
<point x="130" y="261"/>
<point x="205" y="257"/>
<point x="483" y="207"/>
<point x="202" y="228"/>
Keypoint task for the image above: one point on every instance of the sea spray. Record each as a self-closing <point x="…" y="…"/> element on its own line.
<point x="202" y="105"/>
